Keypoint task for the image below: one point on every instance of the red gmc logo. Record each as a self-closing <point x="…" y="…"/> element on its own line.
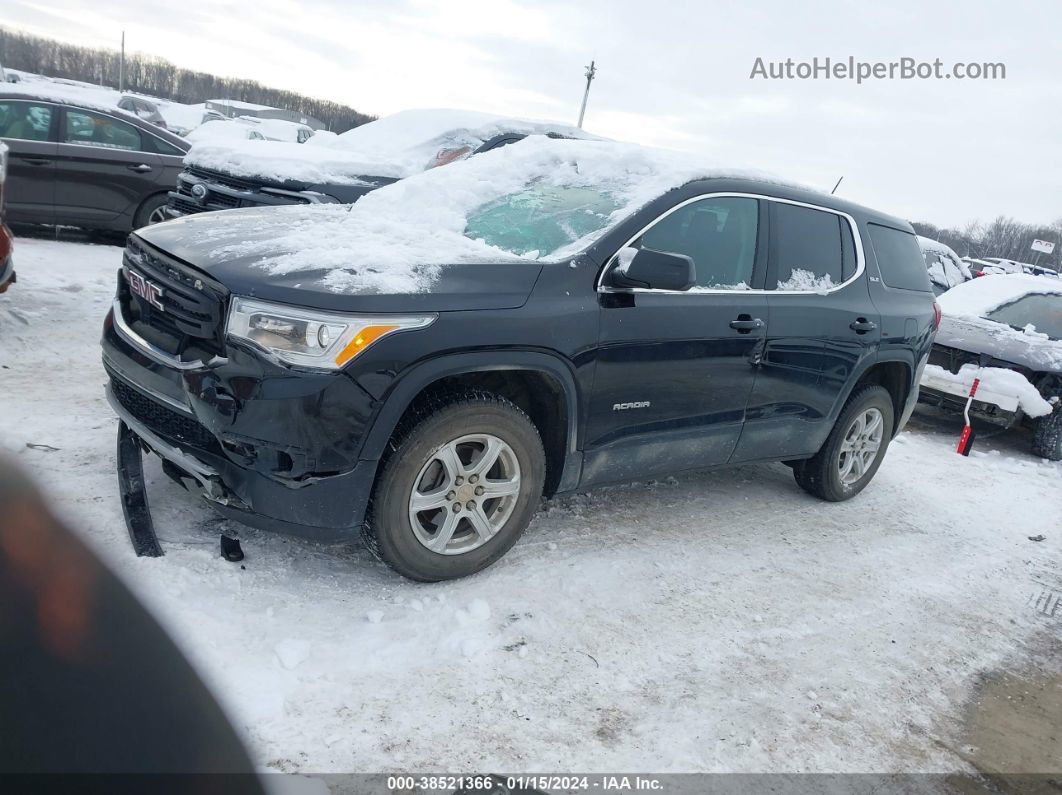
<point x="147" y="290"/>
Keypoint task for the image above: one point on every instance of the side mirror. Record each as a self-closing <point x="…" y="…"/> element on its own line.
<point x="654" y="270"/>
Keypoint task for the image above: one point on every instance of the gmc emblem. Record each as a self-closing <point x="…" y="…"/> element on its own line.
<point x="147" y="290"/>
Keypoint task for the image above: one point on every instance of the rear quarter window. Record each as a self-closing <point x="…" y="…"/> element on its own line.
<point x="899" y="258"/>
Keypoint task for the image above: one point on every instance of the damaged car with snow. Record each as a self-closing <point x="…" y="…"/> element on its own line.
<point x="222" y="175"/>
<point x="1005" y="331"/>
<point x="550" y="316"/>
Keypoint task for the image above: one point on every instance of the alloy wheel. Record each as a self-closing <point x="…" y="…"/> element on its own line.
<point x="464" y="494"/>
<point x="861" y="445"/>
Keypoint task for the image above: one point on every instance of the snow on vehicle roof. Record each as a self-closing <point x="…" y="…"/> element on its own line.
<point x="983" y="295"/>
<point x="929" y="244"/>
<point x="396" y="238"/>
<point x="91" y="97"/>
<point x="223" y="130"/>
<point x="396" y="146"/>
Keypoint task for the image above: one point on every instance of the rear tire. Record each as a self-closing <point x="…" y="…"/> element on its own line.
<point x="1047" y="438"/>
<point x="450" y="457"/>
<point x="844" y="466"/>
<point x="150" y="211"/>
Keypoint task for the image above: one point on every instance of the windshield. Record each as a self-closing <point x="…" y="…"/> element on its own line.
<point x="541" y="219"/>
<point x="1043" y="312"/>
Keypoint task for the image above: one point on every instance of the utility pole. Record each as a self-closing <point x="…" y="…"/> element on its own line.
<point x="121" y="66"/>
<point x="591" y="71"/>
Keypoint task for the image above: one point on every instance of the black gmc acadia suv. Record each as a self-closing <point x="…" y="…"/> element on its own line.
<point x="593" y="322"/>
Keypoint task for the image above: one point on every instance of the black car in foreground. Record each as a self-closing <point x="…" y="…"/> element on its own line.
<point x="341" y="169"/>
<point x="83" y="165"/>
<point x="552" y="316"/>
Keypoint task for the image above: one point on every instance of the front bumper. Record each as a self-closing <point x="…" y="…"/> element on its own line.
<point x="265" y="446"/>
<point x="994" y="407"/>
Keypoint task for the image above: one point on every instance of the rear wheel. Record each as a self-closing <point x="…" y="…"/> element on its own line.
<point x="1047" y="438"/>
<point x="854" y="449"/>
<point x="458" y="490"/>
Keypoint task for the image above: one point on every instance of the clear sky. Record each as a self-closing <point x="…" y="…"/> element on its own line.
<point x="673" y="74"/>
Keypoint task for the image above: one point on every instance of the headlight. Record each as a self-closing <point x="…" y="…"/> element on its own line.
<point x="311" y="338"/>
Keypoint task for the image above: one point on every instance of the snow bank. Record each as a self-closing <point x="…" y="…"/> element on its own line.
<point x="396" y="146"/>
<point x="395" y="238"/>
<point x="979" y="297"/>
<point x="997" y="379"/>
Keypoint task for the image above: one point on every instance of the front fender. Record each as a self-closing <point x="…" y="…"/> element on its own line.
<point x="420" y="376"/>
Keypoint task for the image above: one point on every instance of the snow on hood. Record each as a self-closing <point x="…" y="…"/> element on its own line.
<point x="980" y="296"/>
<point x="396" y="238"/>
<point x="965" y="326"/>
<point x="396" y="146"/>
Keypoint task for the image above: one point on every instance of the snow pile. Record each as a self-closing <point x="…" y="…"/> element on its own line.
<point x="396" y="146"/>
<point x="395" y="238"/>
<point x="1000" y="380"/>
<point x="979" y="297"/>
<point x="806" y="281"/>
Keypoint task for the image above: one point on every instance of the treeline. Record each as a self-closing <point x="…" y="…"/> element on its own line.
<point x="150" y="75"/>
<point x="1003" y="237"/>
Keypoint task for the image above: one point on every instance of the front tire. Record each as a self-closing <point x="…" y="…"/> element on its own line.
<point x="854" y="449"/>
<point x="459" y="488"/>
<point x="1047" y="438"/>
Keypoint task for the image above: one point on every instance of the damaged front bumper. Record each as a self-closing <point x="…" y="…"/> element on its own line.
<point x="270" y="449"/>
<point x="999" y="408"/>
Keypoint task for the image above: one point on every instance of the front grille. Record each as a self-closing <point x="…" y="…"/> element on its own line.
<point x="163" y="420"/>
<point x="219" y="178"/>
<point x="951" y="359"/>
<point x="191" y="305"/>
<point x="186" y="205"/>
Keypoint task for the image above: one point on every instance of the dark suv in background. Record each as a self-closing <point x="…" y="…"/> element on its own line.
<point x="83" y="165"/>
<point x="341" y="169"/>
<point x="725" y="321"/>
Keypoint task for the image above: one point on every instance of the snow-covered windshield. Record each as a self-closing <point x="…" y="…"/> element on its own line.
<point x="1036" y="313"/>
<point x="541" y="199"/>
<point x="542" y="218"/>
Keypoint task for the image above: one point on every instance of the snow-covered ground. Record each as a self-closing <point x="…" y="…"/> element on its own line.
<point x="721" y="621"/>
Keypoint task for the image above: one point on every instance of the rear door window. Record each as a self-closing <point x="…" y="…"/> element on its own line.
<point x="810" y="250"/>
<point x="94" y="129"/>
<point x="899" y="258"/>
<point x="26" y="121"/>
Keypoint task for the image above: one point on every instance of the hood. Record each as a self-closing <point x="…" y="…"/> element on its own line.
<point x="215" y="243"/>
<point x="1003" y="343"/>
<point x="285" y="163"/>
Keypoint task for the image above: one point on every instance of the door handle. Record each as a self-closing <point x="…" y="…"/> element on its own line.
<point x="746" y="323"/>
<point x="141" y="168"/>
<point x="36" y="161"/>
<point x="862" y="325"/>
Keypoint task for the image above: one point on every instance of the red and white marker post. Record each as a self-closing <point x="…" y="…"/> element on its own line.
<point x="966" y="438"/>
